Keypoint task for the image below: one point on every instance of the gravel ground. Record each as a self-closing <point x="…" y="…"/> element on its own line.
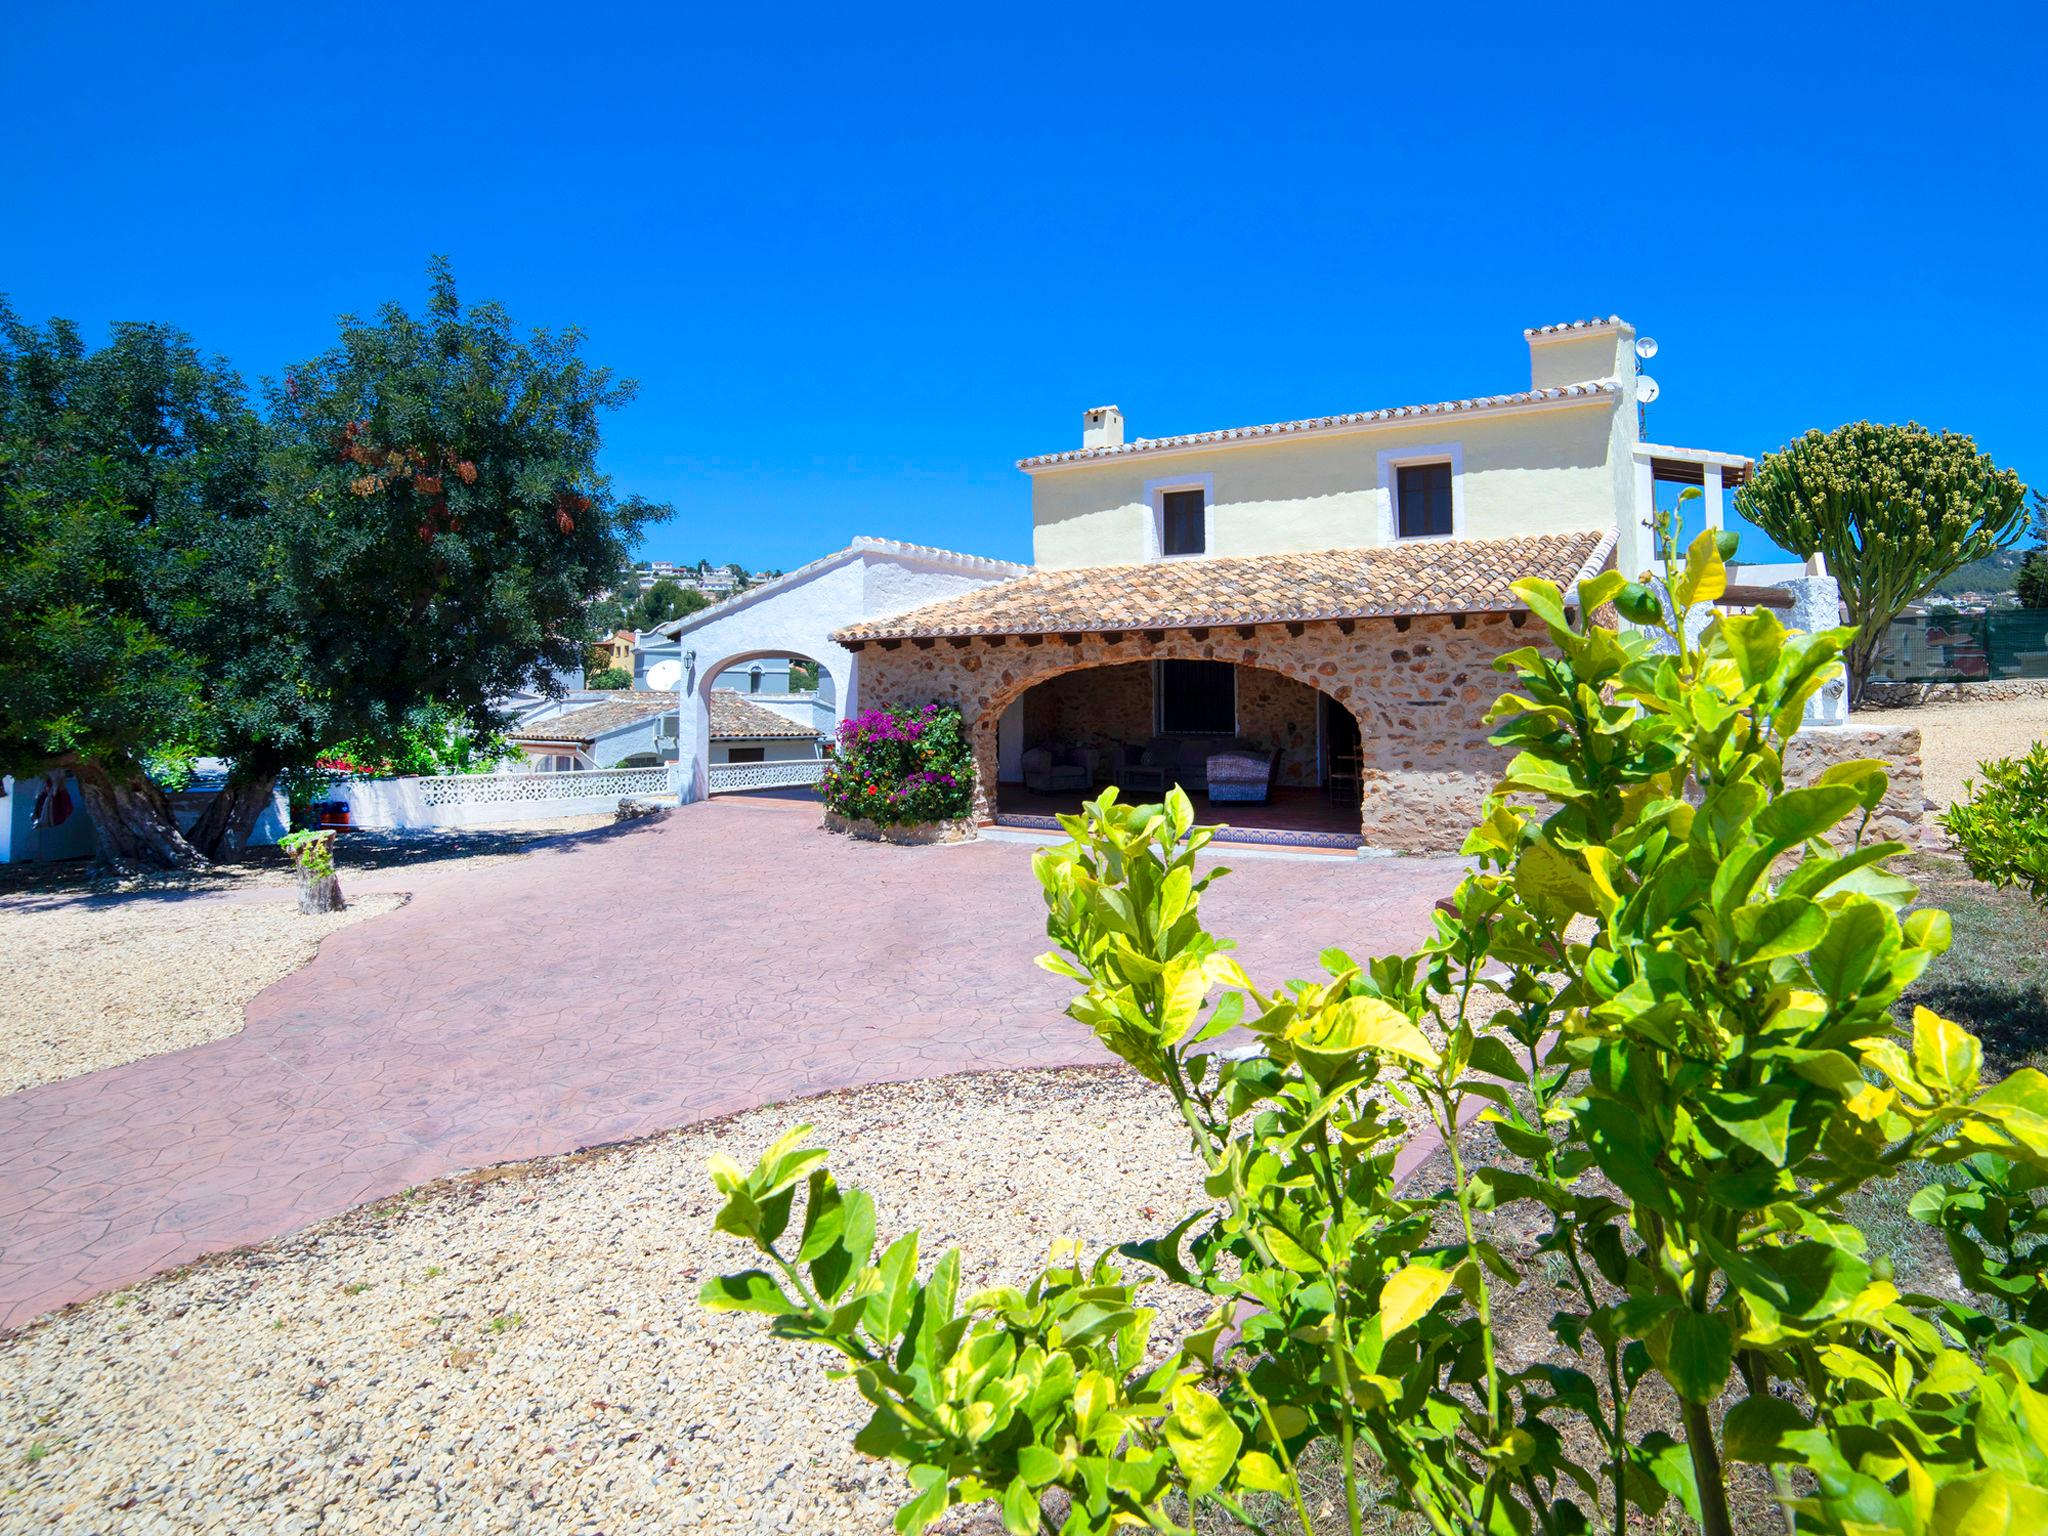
<point x="1955" y="738"/>
<point x="358" y="852"/>
<point x="89" y="982"/>
<point x="520" y="1350"/>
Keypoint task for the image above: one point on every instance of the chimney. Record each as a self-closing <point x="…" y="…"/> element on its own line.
<point x="1102" y="427"/>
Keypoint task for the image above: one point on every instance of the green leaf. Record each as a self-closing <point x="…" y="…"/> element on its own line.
<point x="1945" y="1055"/>
<point x="1791" y="925"/>
<point x="1841" y="961"/>
<point x="1694" y="1351"/>
<point x="1038" y="1466"/>
<point x="1543" y="599"/>
<point x="1757" y="1427"/>
<point x="1020" y="1508"/>
<point x="1760" y="1121"/>
<point x="751" y="1290"/>
<point x="1255" y="1469"/>
<point x="1408" y="1295"/>
<point x="888" y="1310"/>
<point x="1204" y="1440"/>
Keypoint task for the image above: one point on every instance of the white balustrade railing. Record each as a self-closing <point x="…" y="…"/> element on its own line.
<point x="505" y="788"/>
<point x="726" y="777"/>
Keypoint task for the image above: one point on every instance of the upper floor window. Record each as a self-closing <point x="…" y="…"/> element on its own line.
<point x="1422" y="500"/>
<point x="753" y="680"/>
<point x="1183" y="522"/>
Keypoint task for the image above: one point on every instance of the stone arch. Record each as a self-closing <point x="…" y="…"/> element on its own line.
<point x="1055" y="658"/>
<point x="1418" y="688"/>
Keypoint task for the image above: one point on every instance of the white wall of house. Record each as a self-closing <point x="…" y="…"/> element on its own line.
<point x="772" y="749"/>
<point x="1549" y="466"/>
<point x="23" y="842"/>
<point x="795" y="615"/>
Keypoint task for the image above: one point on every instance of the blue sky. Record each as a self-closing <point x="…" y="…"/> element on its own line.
<point x="863" y="258"/>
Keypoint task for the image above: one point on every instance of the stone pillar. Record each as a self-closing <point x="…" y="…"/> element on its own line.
<point x="1710" y="488"/>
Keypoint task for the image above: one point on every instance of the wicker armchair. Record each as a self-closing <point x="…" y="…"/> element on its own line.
<point x="1241" y="773"/>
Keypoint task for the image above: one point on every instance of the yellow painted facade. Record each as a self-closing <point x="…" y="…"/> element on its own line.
<point x="1551" y="466"/>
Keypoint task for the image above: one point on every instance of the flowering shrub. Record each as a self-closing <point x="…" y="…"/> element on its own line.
<point x="901" y="765"/>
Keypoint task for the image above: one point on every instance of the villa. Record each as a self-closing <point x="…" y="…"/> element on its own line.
<point x="1307" y="610"/>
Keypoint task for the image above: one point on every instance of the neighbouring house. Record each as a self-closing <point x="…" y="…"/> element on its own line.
<point x="1306" y="612"/>
<point x="784" y="625"/>
<point x="625" y="729"/>
<point x="615" y="650"/>
<point x="745" y="732"/>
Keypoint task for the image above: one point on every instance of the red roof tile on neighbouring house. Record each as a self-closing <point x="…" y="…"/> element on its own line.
<point x="734" y="716"/>
<point x="595" y="720"/>
<point x="1441" y="576"/>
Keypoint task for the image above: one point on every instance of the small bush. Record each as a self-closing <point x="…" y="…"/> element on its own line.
<point x="1655" y="1029"/>
<point x="2002" y="828"/>
<point x="902" y="766"/>
<point x="609" y="677"/>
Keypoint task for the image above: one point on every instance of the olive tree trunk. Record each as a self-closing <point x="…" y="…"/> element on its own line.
<point x="133" y="827"/>
<point x="222" y="831"/>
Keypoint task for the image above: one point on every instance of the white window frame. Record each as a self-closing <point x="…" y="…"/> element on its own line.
<point x="1390" y="462"/>
<point x="1155" y="498"/>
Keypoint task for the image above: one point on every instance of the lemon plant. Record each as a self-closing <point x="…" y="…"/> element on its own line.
<point x="1661" y="1003"/>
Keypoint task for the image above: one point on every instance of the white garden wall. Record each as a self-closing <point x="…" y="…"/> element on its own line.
<point x="489" y="799"/>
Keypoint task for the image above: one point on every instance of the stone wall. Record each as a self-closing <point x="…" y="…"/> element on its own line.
<point x="1111" y="706"/>
<point x="1902" y="814"/>
<point x="1880" y="696"/>
<point x="1419" y="694"/>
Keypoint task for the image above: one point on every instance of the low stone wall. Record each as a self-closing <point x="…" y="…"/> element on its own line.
<point x="1881" y="696"/>
<point x="918" y="834"/>
<point x="1902" y="814"/>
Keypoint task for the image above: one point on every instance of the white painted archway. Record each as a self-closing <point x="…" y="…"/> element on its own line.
<point x="795" y="615"/>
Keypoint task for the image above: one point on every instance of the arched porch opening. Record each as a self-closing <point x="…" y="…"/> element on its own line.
<point x="1269" y="750"/>
<point x="760" y="719"/>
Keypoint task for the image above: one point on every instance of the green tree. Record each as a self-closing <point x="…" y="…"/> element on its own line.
<point x="2031" y="584"/>
<point x="439" y="524"/>
<point x="123" y="472"/>
<point x="1893" y="509"/>
<point x="609" y="677"/>
<point x="663" y="603"/>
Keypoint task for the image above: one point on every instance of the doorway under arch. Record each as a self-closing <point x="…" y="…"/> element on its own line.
<point x="763" y="720"/>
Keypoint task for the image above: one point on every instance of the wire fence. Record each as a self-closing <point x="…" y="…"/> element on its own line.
<point x="1950" y="646"/>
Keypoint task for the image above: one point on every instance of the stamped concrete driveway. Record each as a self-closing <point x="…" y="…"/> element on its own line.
<point x="603" y="987"/>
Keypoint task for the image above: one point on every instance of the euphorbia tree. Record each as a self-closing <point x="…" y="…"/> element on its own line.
<point x="1667" y="990"/>
<point x="1893" y="510"/>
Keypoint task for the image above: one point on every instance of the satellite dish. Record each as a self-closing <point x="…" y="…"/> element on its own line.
<point x="1646" y="347"/>
<point x="664" y="674"/>
<point x="1647" y="390"/>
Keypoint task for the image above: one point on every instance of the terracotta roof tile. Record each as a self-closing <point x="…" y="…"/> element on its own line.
<point x="734" y="715"/>
<point x="596" y="720"/>
<point x="1596" y="389"/>
<point x="1441" y="576"/>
